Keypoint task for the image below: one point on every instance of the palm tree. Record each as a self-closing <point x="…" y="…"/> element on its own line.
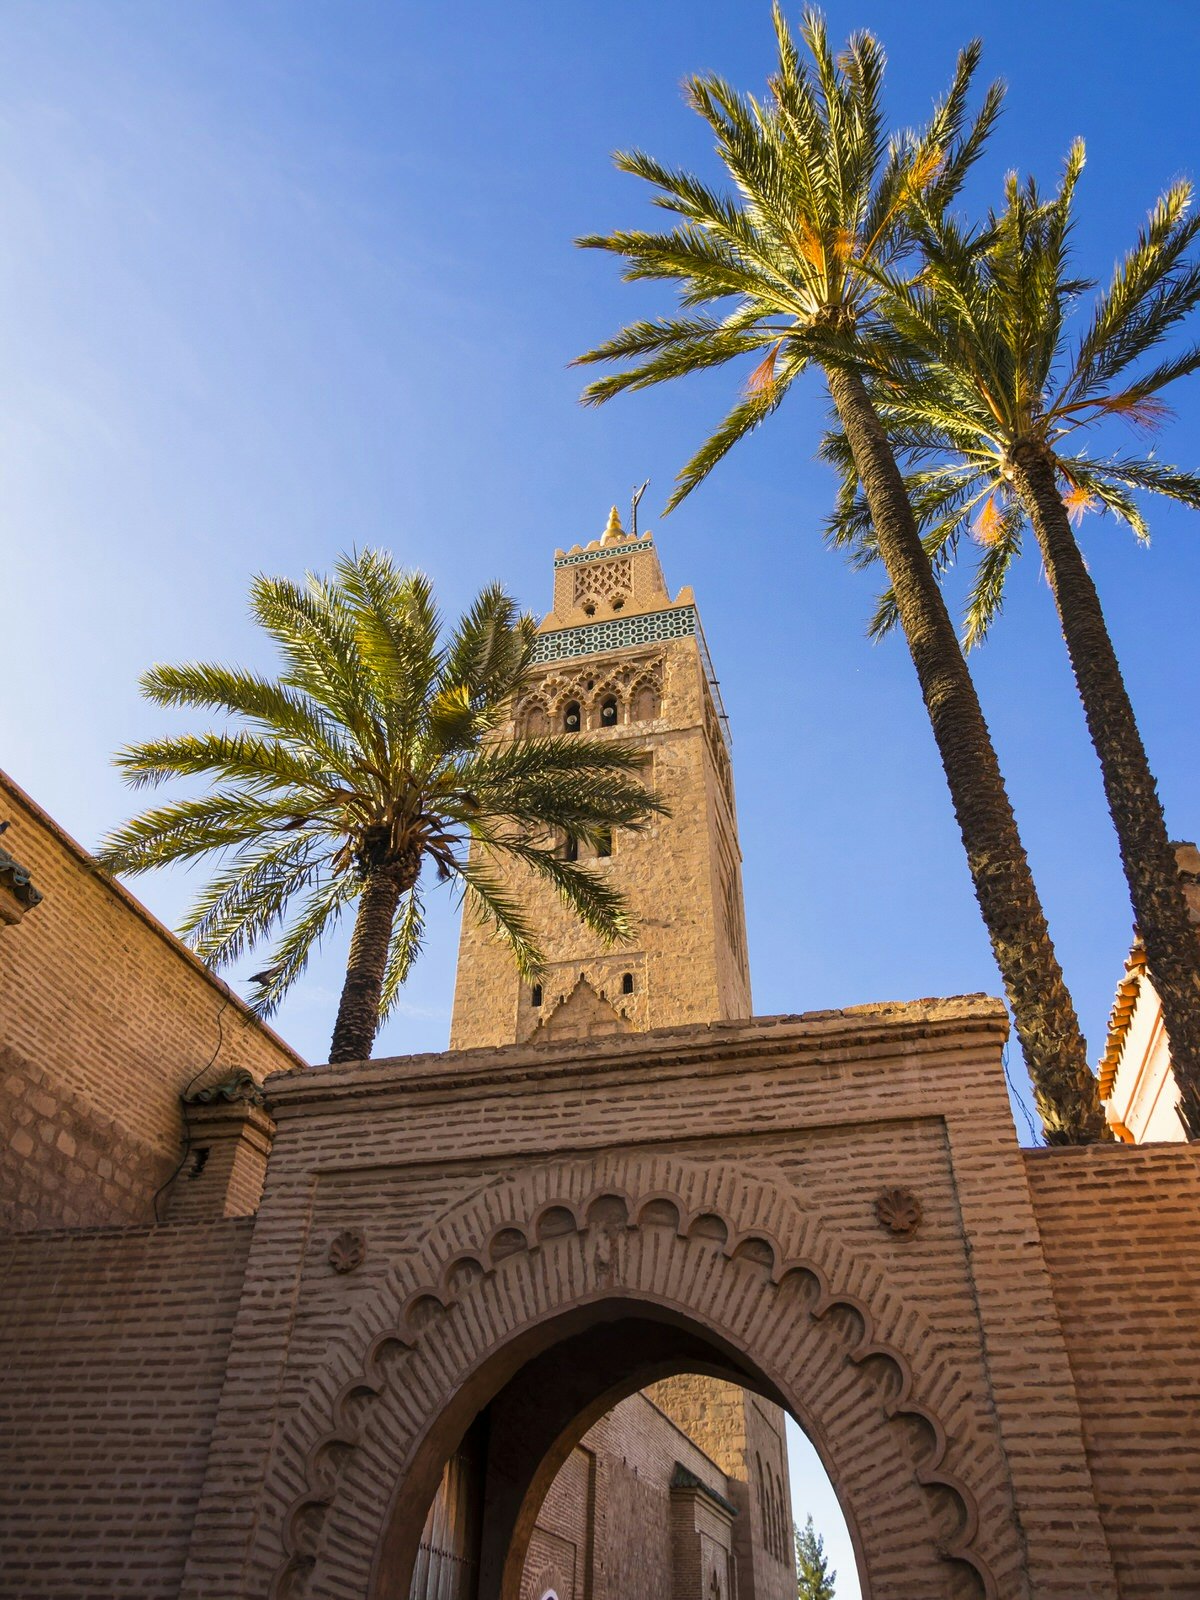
<point x="990" y="417"/>
<point x="791" y="260"/>
<point x="368" y="757"/>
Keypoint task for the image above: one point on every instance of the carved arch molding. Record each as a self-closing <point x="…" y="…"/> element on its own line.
<point x="907" y="1439"/>
<point x="636" y="681"/>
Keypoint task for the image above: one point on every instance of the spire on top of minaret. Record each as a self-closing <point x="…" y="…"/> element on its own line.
<point x="614" y="533"/>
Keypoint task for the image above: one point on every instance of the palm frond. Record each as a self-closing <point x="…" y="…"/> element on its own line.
<point x="1152" y="289"/>
<point x="241" y="757"/>
<point x="247" y="898"/>
<point x="749" y="412"/>
<point x="1142" y="472"/>
<point x="185" y="829"/>
<point x="318" y="916"/>
<point x="395" y="630"/>
<point x="492" y="901"/>
<point x="985" y="599"/>
<point x="316" y="634"/>
<point x="276" y="708"/>
<point x="490" y="649"/>
<point x="583" y="891"/>
<point x="408" y="939"/>
<point x="1111" y="492"/>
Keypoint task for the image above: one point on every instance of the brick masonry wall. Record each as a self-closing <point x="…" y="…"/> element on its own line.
<point x="636" y="1449"/>
<point x="106" y="1019"/>
<point x="113" y="1345"/>
<point x="744" y="1435"/>
<point x="1120" y="1228"/>
<point x="560" y="1551"/>
<point x="604" y="1530"/>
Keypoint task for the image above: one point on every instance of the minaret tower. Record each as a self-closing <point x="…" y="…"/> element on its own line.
<point x="617" y="658"/>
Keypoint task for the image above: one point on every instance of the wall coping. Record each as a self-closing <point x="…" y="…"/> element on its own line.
<point x="22" y="1238"/>
<point x="685" y="1482"/>
<point x="12" y="789"/>
<point x="731" y="1045"/>
<point x="1116" y="1151"/>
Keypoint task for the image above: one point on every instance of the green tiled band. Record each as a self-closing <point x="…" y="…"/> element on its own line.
<point x="599" y="555"/>
<point x="615" y="633"/>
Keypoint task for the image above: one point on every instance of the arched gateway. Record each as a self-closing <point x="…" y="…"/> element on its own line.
<point x="550" y="1296"/>
<point x="617" y="1176"/>
<point x="831" y="1209"/>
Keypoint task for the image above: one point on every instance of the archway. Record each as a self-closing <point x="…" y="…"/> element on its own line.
<point x="533" y="1425"/>
<point x="727" y="1276"/>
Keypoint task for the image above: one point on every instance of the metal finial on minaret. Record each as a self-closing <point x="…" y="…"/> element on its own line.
<point x="637" y="495"/>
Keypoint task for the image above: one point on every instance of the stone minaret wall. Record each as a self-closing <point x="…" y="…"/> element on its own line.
<point x="628" y="663"/>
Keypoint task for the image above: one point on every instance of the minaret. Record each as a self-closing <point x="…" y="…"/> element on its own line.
<point x="617" y="658"/>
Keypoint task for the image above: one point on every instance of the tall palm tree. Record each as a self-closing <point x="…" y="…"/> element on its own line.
<point x="990" y="416"/>
<point x="366" y="759"/>
<point x="791" y="258"/>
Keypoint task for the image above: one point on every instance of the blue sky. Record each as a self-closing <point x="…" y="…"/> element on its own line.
<point x="276" y="279"/>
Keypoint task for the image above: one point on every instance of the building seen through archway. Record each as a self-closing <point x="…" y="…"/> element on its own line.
<point x="628" y="1504"/>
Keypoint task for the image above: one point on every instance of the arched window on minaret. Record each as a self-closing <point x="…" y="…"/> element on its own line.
<point x="645" y="705"/>
<point x="570" y="848"/>
<point x="534" y="723"/>
<point x="572" y="720"/>
<point x="627" y="983"/>
<point x="608" y="711"/>
<point x="535" y="995"/>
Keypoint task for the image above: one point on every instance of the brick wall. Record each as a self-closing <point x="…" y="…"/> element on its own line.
<point x="744" y="1435"/>
<point x="106" y="1019"/>
<point x="1120" y="1229"/>
<point x="113" y="1344"/>
<point x="605" y="1529"/>
<point x="560" y="1551"/>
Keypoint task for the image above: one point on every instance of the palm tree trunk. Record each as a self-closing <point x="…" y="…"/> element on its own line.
<point x="1054" y="1047"/>
<point x="1172" y="943"/>
<point x="358" y="1013"/>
